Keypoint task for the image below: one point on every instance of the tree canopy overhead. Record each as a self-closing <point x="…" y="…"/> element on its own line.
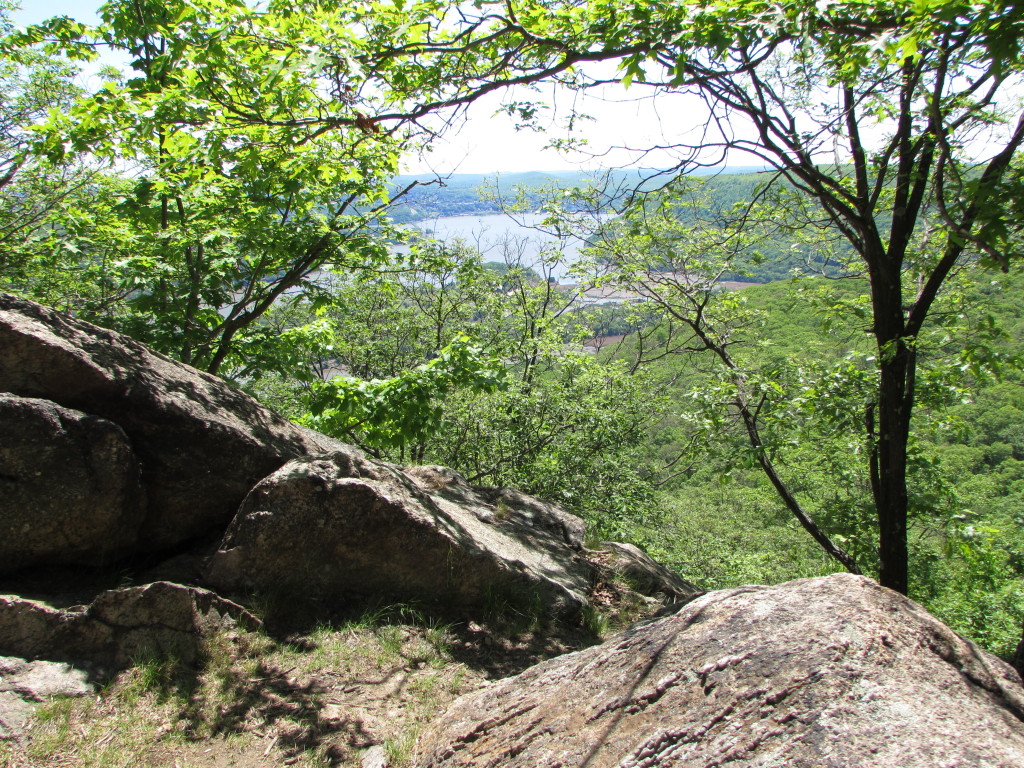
<point x="246" y="151"/>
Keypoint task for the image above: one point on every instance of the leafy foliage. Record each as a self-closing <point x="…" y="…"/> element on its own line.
<point x="965" y="506"/>
<point x="242" y="159"/>
<point x="392" y="413"/>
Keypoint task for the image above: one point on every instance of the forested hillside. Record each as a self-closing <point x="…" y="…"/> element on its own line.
<point x="229" y="198"/>
<point x="459" y="194"/>
<point x="967" y="551"/>
<point x="649" y="452"/>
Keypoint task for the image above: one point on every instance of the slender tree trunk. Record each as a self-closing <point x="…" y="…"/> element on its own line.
<point x="896" y="364"/>
<point x="830" y="548"/>
<point x="891" y="485"/>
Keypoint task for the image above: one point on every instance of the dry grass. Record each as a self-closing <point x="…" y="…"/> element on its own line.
<point x="310" y="695"/>
<point x="311" y="699"/>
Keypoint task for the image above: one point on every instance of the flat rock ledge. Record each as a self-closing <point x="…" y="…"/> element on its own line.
<point x="24" y="685"/>
<point x="833" y="671"/>
<point x="119" y="626"/>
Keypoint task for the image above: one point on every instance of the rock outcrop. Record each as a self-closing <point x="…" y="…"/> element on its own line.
<point x="201" y="444"/>
<point x="818" y="672"/>
<point x="26" y="684"/>
<point x="342" y="525"/>
<point x="69" y="486"/>
<point x="186" y="454"/>
<point x="110" y="449"/>
<point x="119" y="626"/>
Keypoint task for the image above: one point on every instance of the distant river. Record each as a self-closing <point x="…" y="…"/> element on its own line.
<point x="505" y="239"/>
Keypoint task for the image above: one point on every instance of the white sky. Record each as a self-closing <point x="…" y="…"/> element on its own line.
<point x="489" y="143"/>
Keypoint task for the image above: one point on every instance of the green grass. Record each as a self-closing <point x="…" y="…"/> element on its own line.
<point x="250" y="688"/>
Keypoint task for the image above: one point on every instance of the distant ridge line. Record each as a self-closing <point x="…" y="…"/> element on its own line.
<point x="543" y="175"/>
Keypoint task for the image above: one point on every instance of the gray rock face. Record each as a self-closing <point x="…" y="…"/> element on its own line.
<point x="69" y="486"/>
<point x="834" y="671"/>
<point x="26" y="684"/>
<point x="119" y="625"/>
<point x="524" y="517"/>
<point x="201" y="444"/>
<point x="343" y="525"/>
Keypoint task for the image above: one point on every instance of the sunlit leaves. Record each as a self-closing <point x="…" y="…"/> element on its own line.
<point x="253" y="137"/>
<point x="407" y="408"/>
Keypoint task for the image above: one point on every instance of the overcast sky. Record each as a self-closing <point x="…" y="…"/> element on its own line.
<point x="488" y="143"/>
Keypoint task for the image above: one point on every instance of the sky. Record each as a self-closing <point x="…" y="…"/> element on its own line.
<point x="487" y="142"/>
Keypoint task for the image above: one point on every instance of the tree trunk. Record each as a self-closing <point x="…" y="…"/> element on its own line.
<point x="890" y="487"/>
<point x="896" y="365"/>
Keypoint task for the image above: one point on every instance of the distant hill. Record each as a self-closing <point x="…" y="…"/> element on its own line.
<point x="473" y="194"/>
<point x="464" y="194"/>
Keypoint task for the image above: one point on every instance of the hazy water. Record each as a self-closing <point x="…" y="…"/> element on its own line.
<point x="502" y="238"/>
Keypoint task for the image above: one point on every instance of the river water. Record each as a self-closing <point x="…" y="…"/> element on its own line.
<point x="517" y="241"/>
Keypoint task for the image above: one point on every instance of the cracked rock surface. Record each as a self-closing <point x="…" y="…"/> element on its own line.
<point x="834" y="671"/>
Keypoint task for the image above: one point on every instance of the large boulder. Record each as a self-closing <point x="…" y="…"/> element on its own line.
<point x="342" y="525"/>
<point x="834" y="671"/>
<point x="69" y="486"/>
<point x="120" y="625"/>
<point x="201" y="443"/>
<point x="180" y="450"/>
